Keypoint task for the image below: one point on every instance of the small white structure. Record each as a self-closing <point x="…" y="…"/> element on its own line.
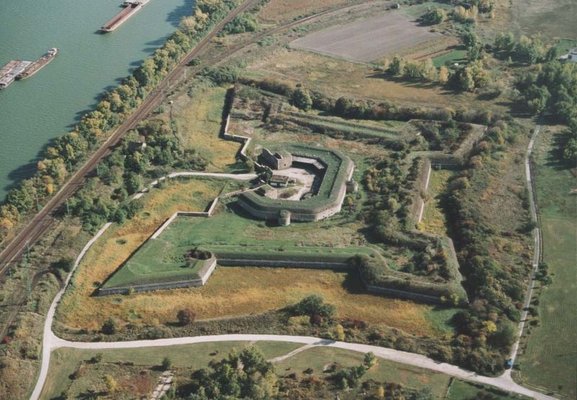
<point x="571" y="56"/>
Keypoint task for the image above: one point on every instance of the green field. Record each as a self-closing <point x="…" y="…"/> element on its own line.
<point x="454" y="56"/>
<point x="434" y="219"/>
<point x="460" y="390"/>
<point x="228" y="234"/>
<point x="352" y="128"/>
<point x="564" y="45"/>
<point x="550" y="359"/>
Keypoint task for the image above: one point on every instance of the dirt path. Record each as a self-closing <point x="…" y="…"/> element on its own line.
<point x="537" y="244"/>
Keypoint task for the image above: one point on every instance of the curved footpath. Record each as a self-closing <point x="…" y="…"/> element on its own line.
<point x="504" y="382"/>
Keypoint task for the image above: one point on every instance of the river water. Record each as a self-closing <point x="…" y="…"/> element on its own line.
<point x="46" y="105"/>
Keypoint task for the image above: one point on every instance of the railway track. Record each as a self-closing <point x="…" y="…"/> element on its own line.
<point x="42" y="221"/>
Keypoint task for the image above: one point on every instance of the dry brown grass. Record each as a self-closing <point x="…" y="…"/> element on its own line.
<point x="286" y="10"/>
<point x="119" y="242"/>
<point x="198" y="122"/>
<point x="343" y="78"/>
<point x="244" y="290"/>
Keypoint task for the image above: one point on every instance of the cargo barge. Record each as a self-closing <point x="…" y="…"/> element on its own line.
<point x="10" y="71"/>
<point x="130" y="8"/>
<point x="38" y="64"/>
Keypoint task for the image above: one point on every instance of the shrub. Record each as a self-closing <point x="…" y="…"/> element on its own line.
<point x="433" y="16"/>
<point x="166" y="364"/>
<point x="185" y="316"/>
<point x="313" y="305"/>
<point x="109" y="327"/>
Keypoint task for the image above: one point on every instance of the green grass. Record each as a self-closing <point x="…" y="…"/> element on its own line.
<point x="454" y="56"/>
<point x="434" y="219"/>
<point x="65" y="361"/>
<point x="550" y="359"/>
<point x="564" y="45"/>
<point x="356" y="128"/>
<point x="460" y="390"/>
<point x="228" y="235"/>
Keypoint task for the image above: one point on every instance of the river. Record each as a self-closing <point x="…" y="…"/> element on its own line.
<point x="48" y="104"/>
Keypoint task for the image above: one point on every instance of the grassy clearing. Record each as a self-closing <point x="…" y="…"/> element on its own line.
<point x="319" y="357"/>
<point x="564" y="45"/>
<point x="285" y="10"/>
<point x="461" y="390"/>
<point x="548" y="360"/>
<point x="198" y="121"/>
<point x="119" y="242"/>
<point x="454" y="56"/>
<point x="65" y="361"/>
<point x="357" y="128"/>
<point x="341" y="78"/>
<point x="434" y="219"/>
<point x="551" y="19"/>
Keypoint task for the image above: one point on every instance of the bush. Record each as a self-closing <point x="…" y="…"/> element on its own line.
<point x="185" y="316"/>
<point x="166" y="364"/>
<point x="109" y="327"/>
<point x="433" y="16"/>
<point x="313" y="305"/>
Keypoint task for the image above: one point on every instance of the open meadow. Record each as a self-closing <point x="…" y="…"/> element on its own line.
<point x="551" y="19"/>
<point x="549" y="359"/>
<point x="197" y="117"/>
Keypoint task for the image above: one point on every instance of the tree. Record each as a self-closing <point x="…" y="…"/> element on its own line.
<point x="133" y="183"/>
<point x="313" y="305"/>
<point x="301" y="99"/>
<point x="369" y="360"/>
<point x="109" y="327"/>
<point x="433" y="16"/>
<point x="504" y="336"/>
<point x="443" y="75"/>
<point x="185" y="316"/>
<point x="396" y="66"/>
<point x="111" y="384"/>
<point x="166" y="364"/>
<point x="340" y="332"/>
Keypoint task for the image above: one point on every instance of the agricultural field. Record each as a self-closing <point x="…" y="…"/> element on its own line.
<point x="547" y="361"/>
<point x="359" y="40"/>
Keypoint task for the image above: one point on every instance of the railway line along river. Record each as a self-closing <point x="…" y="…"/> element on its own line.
<point x="36" y="110"/>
